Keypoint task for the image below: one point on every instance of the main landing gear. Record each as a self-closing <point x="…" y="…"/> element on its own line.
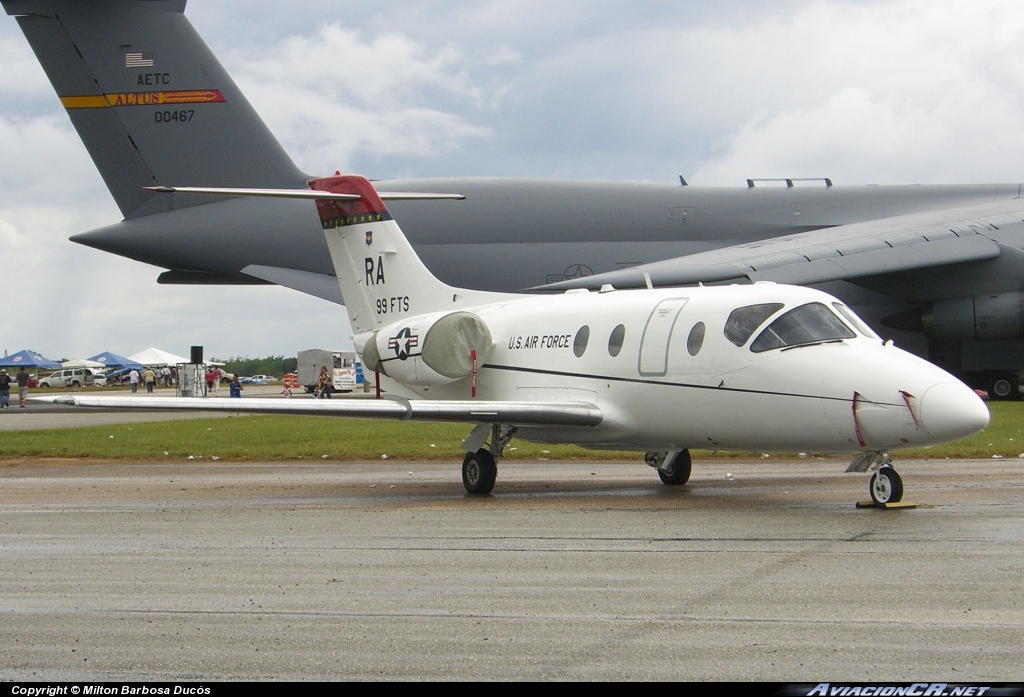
<point x="886" y="484"/>
<point x="480" y="466"/>
<point x="673" y="467"/>
<point x="479" y="470"/>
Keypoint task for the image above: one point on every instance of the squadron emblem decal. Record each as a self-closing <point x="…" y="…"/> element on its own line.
<point x="403" y="343"/>
<point x="369" y="237"/>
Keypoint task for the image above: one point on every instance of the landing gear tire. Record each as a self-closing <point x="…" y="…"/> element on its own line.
<point x="1003" y="387"/>
<point x="479" y="471"/>
<point x="676" y="472"/>
<point x="886" y="486"/>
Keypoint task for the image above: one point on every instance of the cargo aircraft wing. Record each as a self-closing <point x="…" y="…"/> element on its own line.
<point x="886" y="245"/>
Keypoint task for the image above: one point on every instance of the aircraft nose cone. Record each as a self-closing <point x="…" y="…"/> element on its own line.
<point x="951" y="410"/>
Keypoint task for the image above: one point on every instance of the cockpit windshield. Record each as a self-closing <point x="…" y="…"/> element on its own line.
<point x="808" y="324"/>
<point x="744" y="321"/>
<point x="856" y="321"/>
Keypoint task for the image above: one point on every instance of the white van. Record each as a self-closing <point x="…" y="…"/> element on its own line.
<point x="69" y="377"/>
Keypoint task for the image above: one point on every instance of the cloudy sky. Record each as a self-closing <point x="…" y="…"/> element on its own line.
<point x="902" y="92"/>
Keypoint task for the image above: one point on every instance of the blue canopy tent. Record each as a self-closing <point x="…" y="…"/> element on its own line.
<point x="113" y="361"/>
<point x="28" y="359"/>
<point x="117" y="366"/>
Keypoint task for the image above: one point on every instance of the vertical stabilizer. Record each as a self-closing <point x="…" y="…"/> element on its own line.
<point x="381" y="277"/>
<point x="149" y="100"/>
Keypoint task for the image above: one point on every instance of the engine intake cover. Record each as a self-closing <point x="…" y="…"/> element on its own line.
<point x="449" y="343"/>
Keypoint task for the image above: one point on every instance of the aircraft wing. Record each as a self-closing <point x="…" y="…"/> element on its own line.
<point x="396" y="408"/>
<point x="881" y="246"/>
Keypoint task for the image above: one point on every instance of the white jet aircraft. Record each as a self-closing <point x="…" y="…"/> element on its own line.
<point x="742" y="367"/>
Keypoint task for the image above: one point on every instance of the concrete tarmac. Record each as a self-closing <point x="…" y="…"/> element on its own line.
<point x="388" y="571"/>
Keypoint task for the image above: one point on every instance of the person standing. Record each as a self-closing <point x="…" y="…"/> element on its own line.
<point x="22" y="378"/>
<point x="150" y="377"/>
<point x="165" y="374"/>
<point x="5" y="389"/>
<point x="217" y="375"/>
<point x="235" y="386"/>
<point x="324" y="385"/>
<point x="133" y="378"/>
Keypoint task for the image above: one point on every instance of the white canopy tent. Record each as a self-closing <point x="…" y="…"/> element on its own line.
<point x="83" y="363"/>
<point x="155" y="358"/>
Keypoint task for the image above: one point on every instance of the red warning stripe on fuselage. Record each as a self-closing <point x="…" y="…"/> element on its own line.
<point x="99" y="101"/>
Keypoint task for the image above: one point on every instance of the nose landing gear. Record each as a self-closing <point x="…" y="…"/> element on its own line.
<point x="886" y="486"/>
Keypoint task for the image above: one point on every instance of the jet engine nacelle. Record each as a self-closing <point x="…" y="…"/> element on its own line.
<point x="978" y="317"/>
<point x="427" y="350"/>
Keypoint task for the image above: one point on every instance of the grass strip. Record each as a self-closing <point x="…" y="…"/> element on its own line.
<point x="259" y="438"/>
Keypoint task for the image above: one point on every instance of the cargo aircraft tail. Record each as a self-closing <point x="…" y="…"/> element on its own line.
<point x="149" y="100"/>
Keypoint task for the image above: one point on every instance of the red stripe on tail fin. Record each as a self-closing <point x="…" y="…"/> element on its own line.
<point x="369" y="208"/>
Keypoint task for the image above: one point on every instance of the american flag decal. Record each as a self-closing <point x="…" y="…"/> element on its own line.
<point x="138" y="60"/>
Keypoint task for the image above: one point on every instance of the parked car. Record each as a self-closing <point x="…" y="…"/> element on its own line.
<point x="257" y="379"/>
<point x="69" y="377"/>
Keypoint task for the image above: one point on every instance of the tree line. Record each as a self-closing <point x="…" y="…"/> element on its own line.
<point x="271" y="365"/>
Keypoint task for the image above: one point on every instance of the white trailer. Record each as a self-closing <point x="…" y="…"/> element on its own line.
<point x="346" y="371"/>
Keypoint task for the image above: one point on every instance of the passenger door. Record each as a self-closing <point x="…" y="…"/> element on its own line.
<point x="654" y="345"/>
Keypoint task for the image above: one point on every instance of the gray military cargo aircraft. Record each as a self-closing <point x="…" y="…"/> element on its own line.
<point x="938" y="268"/>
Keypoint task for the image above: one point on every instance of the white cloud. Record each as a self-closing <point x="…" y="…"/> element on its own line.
<point x="887" y="93"/>
<point x="45" y="163"/>
<point x="22" y="75"/>
<point x="333" y="94"/>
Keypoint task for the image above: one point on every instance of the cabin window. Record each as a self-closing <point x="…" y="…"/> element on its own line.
<point x="696" y="339"/>
<point x="743" y="321"/>
<point x="618" y="335"/>
<point x="579" y="344"/>
<point x="856" y="321"/>
<point x="808" y="324"/>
